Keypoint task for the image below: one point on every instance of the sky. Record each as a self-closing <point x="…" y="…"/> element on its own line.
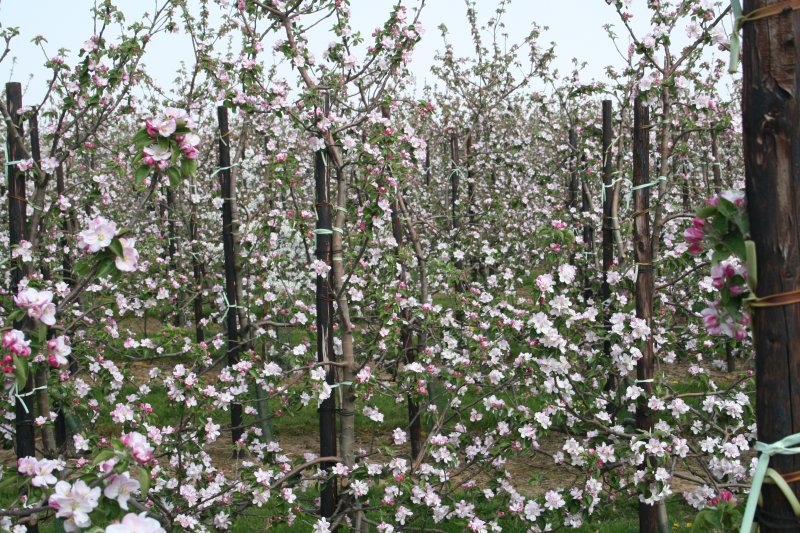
<point x="576" y="26"/>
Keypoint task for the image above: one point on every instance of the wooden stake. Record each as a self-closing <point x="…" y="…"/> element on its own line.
<point x="771" y="134"/>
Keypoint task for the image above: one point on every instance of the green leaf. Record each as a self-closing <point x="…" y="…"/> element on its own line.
<point x="188" y="167"/>
<point x="706" y="212"/>
<point x="82" y="267"/>
<point x="174" y="177"/>
<point x="727" y="208"/>
<point x="141" y="139"/>
<point x="116" y="247"/>
<point x="16" y="315"/>
<point x="104" y="455"/>
<point x="720" y="224"/>
<point x="736" y="245"/>
<point x="144" y="481"/>
<point x="21" y="371"/>
<point x="106" y="267"/>
<point x="141" y="173"/>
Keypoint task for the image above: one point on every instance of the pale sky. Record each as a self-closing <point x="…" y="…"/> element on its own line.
<point x="576" y="26"/>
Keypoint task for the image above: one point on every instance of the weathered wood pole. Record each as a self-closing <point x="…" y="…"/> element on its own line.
<point x="231" y="322"/>
<point x="643" y="256"/>
<point x="771" y="131"/>
<point x="199" y="280"/>
<point x="325" y="354"/>
<point x="25" y="438"/>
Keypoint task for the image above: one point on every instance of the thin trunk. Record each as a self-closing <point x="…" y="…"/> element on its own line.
<point x="608" y="245"/>
<point x="43" y="372"/>
<point x="407" y="350"/>
<point x="172" y="248"/>
<point x="643" y="256"/>
<point x="232" y="330"/>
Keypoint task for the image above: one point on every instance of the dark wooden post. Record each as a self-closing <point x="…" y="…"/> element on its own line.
<point x="325" y="354"/>
<point x="172" y="250"/>
<point x="199" y="280"/>
<point x="643" y="256"/>
<point x="23" y="407"/>
<point x="771" y="128"/>
<point x="231" y="322"/>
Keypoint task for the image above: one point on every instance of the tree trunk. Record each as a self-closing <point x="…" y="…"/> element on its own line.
<point x="608" y="246"/>
<point x="231" y="323"/>
<point x="648" y="514"/>
<point x="771" y="118"/>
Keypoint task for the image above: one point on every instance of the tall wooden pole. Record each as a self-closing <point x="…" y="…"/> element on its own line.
<point x="25" y="439"/>
<point x="643" y="256"/>
<point x="325" y="354"/>
<point x="608" y="240"/>
<point x="231" y="323"/>
<point x="771" y="131"/>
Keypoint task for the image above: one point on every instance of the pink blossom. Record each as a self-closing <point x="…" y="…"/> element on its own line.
<point x="137" y="443"/>
<point x="98" y="235"/>
<point x="157" y="155"/>
<point x="74" y="503"/>
<point x="15" y="341"/>
<point x="130" y="256"/>
<point x="60" y="350"/>
<point x="39" y="304"/>
<point x="136" y="523"/>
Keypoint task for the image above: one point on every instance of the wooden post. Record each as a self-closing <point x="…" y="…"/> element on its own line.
<point x="643" y="257"/>
<point x="231" y="323"/>
<point x="325" y="354"/>
<point x="25" y="439"/>
<point x="199" y="280"/>
<point x="608" y="243"/>
<point x="771" y="133"/>
<point x="172" y="250"/>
